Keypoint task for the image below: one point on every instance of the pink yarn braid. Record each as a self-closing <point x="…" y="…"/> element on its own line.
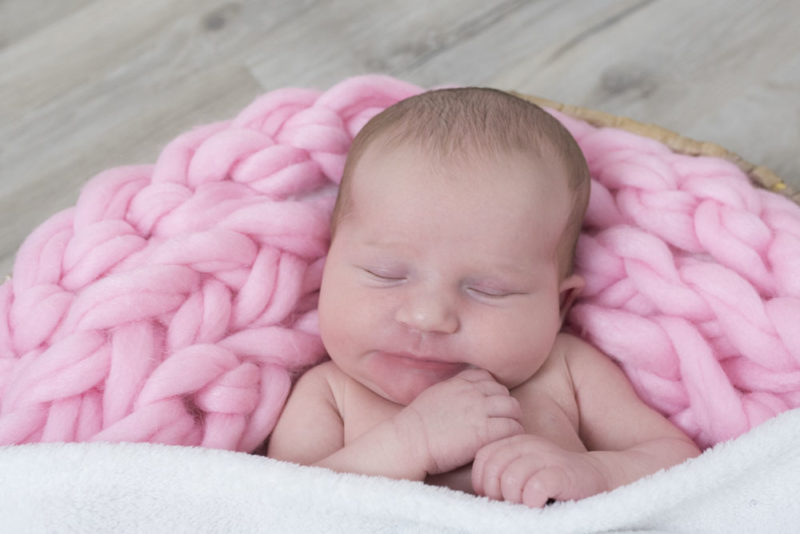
<point x="692" y="283"/>
<point x="175" y="303"/>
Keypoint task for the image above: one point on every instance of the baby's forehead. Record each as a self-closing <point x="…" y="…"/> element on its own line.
<point x="508" y="214"/>
<point x="541" y="169"/>
<point x="455" y="165"/>
<point x="478" y="179"/>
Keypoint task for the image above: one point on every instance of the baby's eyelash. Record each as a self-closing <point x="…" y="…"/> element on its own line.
<point x="490" y="293"/>
<point x="384" y="277"/>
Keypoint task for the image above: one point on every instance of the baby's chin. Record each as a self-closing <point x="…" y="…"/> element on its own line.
<point x="402" y="390"/>
<point x="401" y="379"/>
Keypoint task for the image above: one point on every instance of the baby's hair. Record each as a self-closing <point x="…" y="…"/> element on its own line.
<point x="476" y="122"/>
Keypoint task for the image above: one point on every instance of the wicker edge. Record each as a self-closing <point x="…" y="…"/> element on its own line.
<point x="760" y="175"/>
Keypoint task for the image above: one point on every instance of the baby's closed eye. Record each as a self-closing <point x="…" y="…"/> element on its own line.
<point x="489" y="292"/>
<point x="383" y="275"/>
<point x="493" y="292"/>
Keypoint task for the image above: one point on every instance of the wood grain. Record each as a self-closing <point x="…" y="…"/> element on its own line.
<point x="86" y="85"/>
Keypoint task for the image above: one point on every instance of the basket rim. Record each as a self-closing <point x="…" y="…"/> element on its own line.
<point x="760" y="175"/>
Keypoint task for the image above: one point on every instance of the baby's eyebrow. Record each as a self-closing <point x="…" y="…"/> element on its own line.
<point x="497" y="278"/>
<point x="386" y="245"/>
<point x="378" y="243"/>
<point x="502" y="266"/>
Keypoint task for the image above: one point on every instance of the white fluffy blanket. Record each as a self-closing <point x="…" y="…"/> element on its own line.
<point x="749" y="484"/>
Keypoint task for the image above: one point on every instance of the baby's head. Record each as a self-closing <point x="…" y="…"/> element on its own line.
<point x="453" y="238"/>
<point x="463" y="125"/>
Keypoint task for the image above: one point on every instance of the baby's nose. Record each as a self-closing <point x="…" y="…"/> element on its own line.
<point x="428" y="311"/>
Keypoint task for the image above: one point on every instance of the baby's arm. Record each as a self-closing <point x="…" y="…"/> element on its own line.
<point x="310" y="431"/>
<point x="625" y="440"/>
<point x="628" y="439"/>
<point x="309" y="427"/>
<point x="439" y="431"/>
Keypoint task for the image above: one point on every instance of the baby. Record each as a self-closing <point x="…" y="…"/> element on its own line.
<point x="441" y="307"/>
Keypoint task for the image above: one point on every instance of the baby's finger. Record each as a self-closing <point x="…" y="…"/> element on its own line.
<point x="491" y="387"/>
<point x="474" y="374"/>
<point x="502" y="427"/>
<point x="503" y="406"/>
<point x="516" y="475"/>
<point x="489" y="464"/>
<point x="546" y="484"/>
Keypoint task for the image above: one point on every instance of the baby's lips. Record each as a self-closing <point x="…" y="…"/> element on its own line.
<point x="423" y="362"/>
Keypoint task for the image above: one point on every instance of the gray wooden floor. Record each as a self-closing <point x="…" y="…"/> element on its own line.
<point x="89" y="84"/>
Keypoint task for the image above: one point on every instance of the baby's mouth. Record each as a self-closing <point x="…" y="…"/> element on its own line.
<point x="400" y="376"/>
<point x="412" y="362"/>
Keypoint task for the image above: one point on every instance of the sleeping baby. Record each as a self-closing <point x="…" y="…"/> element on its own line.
<point x="442" y="303"/>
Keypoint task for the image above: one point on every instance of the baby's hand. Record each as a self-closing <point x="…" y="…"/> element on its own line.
<point x="450" y="421"/>
<point x="531" y="470"/>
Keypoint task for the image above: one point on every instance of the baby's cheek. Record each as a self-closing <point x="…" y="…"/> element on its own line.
<point x="343" y="318"/>
<point x="513" y="356"/>
<point x="332" y="324"/>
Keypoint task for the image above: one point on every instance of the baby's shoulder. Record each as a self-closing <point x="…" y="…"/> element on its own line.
<point x="569" y="345"/>
<point x="321" y="371"/>
<point x="581" y="357"/>
<point x="318" y="373"/>
<point x="329" y="380"/>
<point x="324" y="378"/>
<point x="554" y="376"/>
<point x="567" y="350"/>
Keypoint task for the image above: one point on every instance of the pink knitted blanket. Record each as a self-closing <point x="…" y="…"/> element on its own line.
<point x="176" y="302"/>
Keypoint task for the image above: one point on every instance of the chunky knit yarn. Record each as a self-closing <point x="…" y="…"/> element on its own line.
<point x="175" y="303"/>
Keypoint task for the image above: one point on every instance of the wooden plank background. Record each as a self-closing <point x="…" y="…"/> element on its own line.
<point x="90" y="84"/>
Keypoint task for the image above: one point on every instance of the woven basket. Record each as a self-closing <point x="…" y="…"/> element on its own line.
<point x="758" y="174"/>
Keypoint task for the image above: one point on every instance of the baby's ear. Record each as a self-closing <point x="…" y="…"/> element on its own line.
<point x="568" y="291"/>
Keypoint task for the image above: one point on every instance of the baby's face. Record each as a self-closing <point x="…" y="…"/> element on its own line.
<point x="437" y="267"/>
